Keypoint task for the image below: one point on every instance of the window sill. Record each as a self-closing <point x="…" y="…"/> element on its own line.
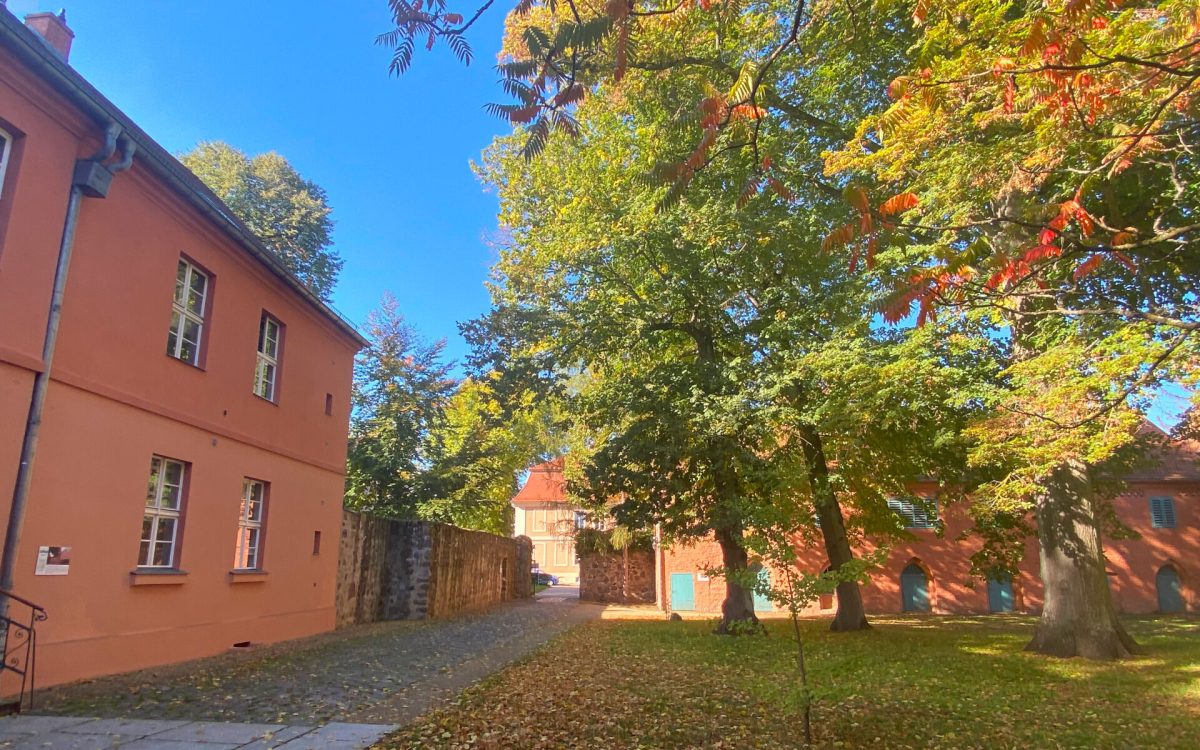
<point x="264" y="398"/>
<point x="185" y="363"/>
<point x="157" y="576"/>
<point x="247" y="576"/>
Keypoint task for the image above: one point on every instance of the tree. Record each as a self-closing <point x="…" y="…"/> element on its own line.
<point x="703" y="342"/>
<point x="478" y="451"/>
<point x="287" y="212"/>
<point x="1041" y="161"/>
<point x="401" y="390"/>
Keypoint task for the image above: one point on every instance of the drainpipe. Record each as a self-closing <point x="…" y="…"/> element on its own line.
<point x="91" y="179"/>
<point x="659" y="562"/>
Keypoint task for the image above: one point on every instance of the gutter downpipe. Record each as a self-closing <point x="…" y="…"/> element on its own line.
<point x="660" y="601"/>
<point x="91" y="179"/>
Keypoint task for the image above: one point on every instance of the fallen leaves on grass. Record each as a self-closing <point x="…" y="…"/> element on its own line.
<point x="907" y="683"/>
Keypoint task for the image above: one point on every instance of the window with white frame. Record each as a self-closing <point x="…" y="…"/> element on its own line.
<point x="187" y="313"/>
<point x="1162" y="512"/>
<point x="164" y="513"/>
<point x="248" y="554"/>
<point x="915" y="512"/>
<point x="267" y="368"/>
<point x="5" y="153"/>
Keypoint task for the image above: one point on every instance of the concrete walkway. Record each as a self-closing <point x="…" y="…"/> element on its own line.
<point x="79" y="733"/>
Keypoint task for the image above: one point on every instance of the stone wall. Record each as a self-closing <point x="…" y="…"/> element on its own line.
<point x="617" y="577"/>
<point x="411" y="570"/>
<point x="362" y="560"/>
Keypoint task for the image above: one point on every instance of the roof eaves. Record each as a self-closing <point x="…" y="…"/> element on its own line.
<point x="29" y="46"/>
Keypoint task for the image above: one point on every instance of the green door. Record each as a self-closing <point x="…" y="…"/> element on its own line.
<point x="1170" y="594"/>
<point x="762" y="603"/>
<point x="683" y="592"/>
<point x="914" y="589"/>
<point x="1000" y="595"/>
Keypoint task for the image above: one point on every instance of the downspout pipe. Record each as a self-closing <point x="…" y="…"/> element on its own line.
<point x="91" y="179"/>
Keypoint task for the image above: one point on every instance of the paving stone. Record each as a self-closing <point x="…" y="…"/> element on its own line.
<point x="154" y="743"/>
<point x="308" y="743"/>
<point x="217" y="731"/>
<point x="124" y="728"/>
<point x="277" y="739"/>
<point x="32" y="723"/>
<point x="56" y="741"/>
<point x="338" y="731"/>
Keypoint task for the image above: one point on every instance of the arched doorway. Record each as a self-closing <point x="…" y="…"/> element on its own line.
<point x="1170" y="592"/>
<point x="914" y="588"/>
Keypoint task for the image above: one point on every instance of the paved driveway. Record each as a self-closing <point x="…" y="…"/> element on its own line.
<point x="384" y="673"/>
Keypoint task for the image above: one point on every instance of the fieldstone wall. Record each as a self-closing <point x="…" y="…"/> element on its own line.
<point x="617" y="577"/>
<point x="411" y="570"/>
<point x="362" y="560"/>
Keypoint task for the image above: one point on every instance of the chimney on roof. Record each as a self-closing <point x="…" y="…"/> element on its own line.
<point x="53" y="29"/>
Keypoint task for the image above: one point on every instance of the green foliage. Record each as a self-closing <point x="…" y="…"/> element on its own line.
<point x="425" y="446"/>
<point x="591" y="541"/>
<point x="401" y="390"/>
<point x="288" y="213"/>
<point x="478" y="450"/>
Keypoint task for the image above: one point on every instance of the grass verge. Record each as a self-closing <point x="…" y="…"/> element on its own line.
<point x="908" y="683"/>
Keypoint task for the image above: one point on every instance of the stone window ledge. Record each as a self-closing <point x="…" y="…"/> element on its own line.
<point x="157" y="576"/>
<point x="247" y="576"/>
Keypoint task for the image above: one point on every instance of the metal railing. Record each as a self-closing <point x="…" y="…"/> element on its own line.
<point x="18" y="641"/>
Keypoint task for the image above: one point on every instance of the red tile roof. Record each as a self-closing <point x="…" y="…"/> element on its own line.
<point x="545" y="484"/>
<point x="1169" y="460"/>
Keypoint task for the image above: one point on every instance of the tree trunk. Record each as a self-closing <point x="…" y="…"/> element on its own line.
<point x="737" y="611"/>
<point x="851" y="615"/>
<point x="1078" y="618"/>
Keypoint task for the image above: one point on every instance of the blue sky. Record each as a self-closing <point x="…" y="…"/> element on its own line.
<point x="306" y="79"/>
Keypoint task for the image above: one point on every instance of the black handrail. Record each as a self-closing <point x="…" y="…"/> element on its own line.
<point x="24" y="633"/>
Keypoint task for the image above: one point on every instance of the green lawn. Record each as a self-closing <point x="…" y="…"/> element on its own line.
<point x="908" y="683"/>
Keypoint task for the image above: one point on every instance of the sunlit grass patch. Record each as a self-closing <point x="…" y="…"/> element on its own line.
<point x="916" y="682"/>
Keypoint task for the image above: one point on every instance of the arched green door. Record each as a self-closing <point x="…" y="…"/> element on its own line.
<point x="1170" y="593"/>
<point x="914" y="589"/>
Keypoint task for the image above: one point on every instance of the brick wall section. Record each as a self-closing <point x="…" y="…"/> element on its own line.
<point x="617" y="577"/>
<point x="411" y="570"/>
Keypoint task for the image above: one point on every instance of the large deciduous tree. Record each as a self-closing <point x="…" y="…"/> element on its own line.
<point x="720" y="361"/>
<point x="287" y="212"/>
<point x="1045" y="152"/>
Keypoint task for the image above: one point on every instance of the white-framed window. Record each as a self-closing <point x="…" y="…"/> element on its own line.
<point x="915" y="512"/>
<point x="580" y="519"/>
<point x="564" y="553"/>
<point x="187" y="313"/>
<point x="6" y="141"/>
<point x="1162" y="512"/>
<point x="248" y="551"/>
<point x="164" y="513"/>
<point x="266" y="370"/>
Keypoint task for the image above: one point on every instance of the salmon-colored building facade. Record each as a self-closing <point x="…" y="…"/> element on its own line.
<point x="930" y="571"/>
<point x="186" y="490"/>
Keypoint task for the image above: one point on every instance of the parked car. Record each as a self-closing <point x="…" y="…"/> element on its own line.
<point x="544" y="579"/>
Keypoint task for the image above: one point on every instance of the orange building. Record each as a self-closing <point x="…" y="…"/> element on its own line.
<point x="184" y="491"/>
<point x="931" y="571"/>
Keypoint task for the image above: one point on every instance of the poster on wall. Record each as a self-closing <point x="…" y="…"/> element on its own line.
<point x="53" y="561"/>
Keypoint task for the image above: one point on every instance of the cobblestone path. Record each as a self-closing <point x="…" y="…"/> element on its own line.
<point x="385" y="673"/>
